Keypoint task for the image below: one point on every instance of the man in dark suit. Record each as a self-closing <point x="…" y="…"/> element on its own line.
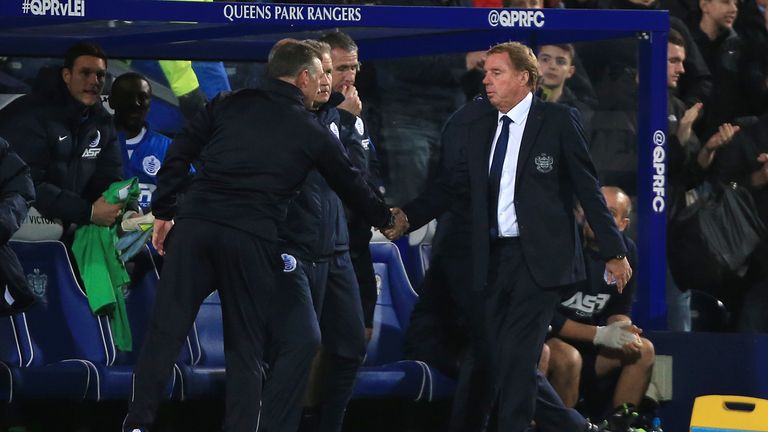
<point x="523" y="163"/>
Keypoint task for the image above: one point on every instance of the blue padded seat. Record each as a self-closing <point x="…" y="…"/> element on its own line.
<point x="385" y="374"/>
<point x="61" y="330"/>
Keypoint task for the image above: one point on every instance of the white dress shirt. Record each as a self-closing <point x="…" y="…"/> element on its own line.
<point x="505" y="213"/>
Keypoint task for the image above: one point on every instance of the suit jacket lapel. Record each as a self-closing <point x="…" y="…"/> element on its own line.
<point x="532" y="127"/>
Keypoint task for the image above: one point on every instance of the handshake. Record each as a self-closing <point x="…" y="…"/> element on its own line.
<point x="397" y="226"/>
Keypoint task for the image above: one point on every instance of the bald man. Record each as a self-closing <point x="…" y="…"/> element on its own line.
<point x="592" y="332"/>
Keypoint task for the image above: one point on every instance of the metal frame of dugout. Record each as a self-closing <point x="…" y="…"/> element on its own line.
<point x="246" y="32"/>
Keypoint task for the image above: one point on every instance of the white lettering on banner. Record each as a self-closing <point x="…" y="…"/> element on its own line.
<point x="73" y="8"/>
<point x="242" y="11"/>
<point x="516" y="18"/>
<point x="658" y="182"/>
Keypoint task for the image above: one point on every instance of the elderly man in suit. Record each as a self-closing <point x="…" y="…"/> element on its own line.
<point x="523" y="164"/>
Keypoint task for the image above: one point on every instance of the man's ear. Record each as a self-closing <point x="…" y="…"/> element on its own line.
<point x="571" y="71"/>
<point x="302" y="78"/>
<point x="66" y="75"/>
<point x="624" y="224"/>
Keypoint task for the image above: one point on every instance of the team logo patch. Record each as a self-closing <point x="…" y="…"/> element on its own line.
<point x="95" y="141"/>
<point x="359" y="126"/>
<point x="544" y="163"/>
<point x="151" y="165"/>
<point x="38" y="282"/>
<point x="366" y="143"/>
<point x="334" y="129"/>
<point x="289" y="263"/>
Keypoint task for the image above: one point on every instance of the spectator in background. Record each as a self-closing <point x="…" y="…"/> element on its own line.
<point x="688" y="162"/>
<point x="143" y="149"/>
<point x="745" y="161"/>
<point x="67" y="138"/>
<point x="738" y="81"/>
<point x="415" y="96"/>
<point x="556" y="66"/>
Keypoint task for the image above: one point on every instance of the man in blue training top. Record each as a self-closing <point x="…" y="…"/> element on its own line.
<point x="143" y="149"/>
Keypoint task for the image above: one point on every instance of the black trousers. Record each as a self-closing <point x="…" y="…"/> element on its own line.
<point x="316" y="298"/>
<point x="293" y="341"/>
<point x="203" y="256"/>
<point x="519" y="313"/>
<point x="474" y="389"/>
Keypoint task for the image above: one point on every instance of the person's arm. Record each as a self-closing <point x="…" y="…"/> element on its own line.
<point x="183" y="150"/>
<point x="334" y="165"/>
<point x="16" y="192"/>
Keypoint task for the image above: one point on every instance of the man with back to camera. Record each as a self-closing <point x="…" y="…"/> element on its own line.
<point x="225" y="235"/>
<point x="67" y="138"/>
<point x="524" y="163"/>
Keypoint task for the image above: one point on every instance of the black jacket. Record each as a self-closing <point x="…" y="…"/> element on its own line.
<point x="315" y="225"/>
<point x="71" y="149"/>
<point x="253" y="149"/>
<point x="544" y="198"/>
<point x="16" y="192"/>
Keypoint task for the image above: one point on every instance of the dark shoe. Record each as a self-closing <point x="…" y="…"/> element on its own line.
<point x="599" y="427"/>
<point x="624" y="419"/>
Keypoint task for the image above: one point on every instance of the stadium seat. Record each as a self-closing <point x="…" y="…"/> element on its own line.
<point x="385" y="373"/>
<point x="59" y="335"/>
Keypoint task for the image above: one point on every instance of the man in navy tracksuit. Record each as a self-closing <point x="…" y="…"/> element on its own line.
<point x="317" y="291"/>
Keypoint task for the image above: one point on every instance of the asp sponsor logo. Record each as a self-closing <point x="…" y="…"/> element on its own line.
<point x="73" y="8"/>
<point x="516" y="18"/>
<point x="586" y="304"/>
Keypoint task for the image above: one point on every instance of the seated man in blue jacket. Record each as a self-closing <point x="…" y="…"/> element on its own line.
<point x="593" y="337"/>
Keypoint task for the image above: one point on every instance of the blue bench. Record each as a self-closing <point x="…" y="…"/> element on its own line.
<point x="385" y="374"/>
<point x="66" y="351"/>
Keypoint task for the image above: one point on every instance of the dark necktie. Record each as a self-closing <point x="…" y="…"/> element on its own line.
<point x="494" y="175"/>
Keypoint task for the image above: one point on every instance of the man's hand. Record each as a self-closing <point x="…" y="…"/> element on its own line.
<point x="686" y="123"/>
<point x="621" y="335"/>
<point x="401" y="225"/>
<point x="723" y="136"/>
<point x="162" y="227"/>
<point x="475" y="60"/>
<point x="352" y="102"/>
<point x="619" y="270"/>
<point x="760" y="176"/>
<point x="104" y="213"/>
